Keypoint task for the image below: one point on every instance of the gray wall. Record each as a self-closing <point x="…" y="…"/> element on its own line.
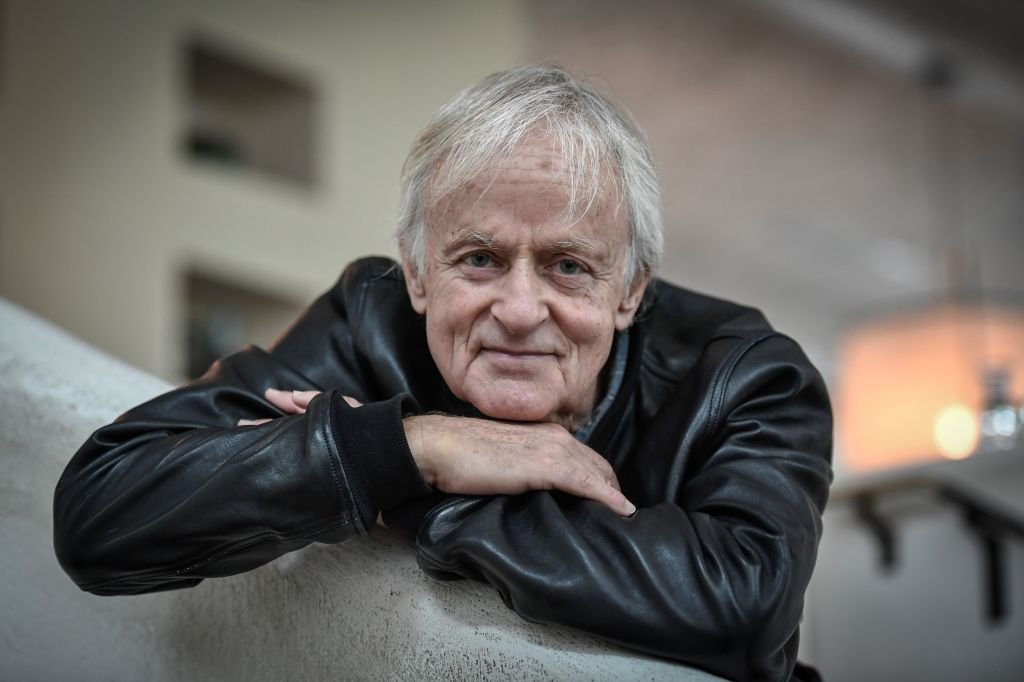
<point x="796" y="174"/>
<point x="926" y="619"/>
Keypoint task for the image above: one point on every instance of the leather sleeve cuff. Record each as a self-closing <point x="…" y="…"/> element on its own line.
<point x="378" y="463"/>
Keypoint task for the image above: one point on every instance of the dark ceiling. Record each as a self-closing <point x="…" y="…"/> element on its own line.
<point x="993" y="27"/>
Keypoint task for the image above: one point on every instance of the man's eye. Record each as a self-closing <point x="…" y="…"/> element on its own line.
<point x="478" y="259"/>
<point x="568" y="266"/>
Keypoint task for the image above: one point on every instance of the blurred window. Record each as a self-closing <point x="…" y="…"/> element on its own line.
<point x="247" y="115"/>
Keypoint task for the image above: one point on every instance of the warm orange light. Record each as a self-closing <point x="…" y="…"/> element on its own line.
<point x="909" y="383"/>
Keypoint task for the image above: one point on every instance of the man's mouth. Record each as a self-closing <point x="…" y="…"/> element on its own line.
<point x="515" y="351"/>
<point x="513" y="357"/>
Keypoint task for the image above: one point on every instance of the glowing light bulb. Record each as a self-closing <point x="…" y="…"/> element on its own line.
<point x="955" y="430"/>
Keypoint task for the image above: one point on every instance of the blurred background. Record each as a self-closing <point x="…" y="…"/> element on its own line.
<point x="180" y="179"/>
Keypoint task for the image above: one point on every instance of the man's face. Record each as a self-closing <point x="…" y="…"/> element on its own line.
<point x="521" y="308"/>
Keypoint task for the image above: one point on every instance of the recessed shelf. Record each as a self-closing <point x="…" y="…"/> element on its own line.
<point x="244" y="114"/>
<point x="223" y="316"/>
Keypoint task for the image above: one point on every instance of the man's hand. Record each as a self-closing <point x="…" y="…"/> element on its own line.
<point x="291" y="402"/>
<point x="482" y="457"/>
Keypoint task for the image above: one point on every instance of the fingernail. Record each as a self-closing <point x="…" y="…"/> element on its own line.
<point x="630" y="508"/>
<point x="274" y="391"/>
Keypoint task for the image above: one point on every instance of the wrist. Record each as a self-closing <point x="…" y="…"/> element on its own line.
<point x="418" y="436"/>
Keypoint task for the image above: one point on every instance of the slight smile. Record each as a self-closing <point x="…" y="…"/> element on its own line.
<point x="513" y="358"/>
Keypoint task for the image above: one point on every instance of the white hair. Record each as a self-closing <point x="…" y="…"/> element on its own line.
<point x="486" y="123"/>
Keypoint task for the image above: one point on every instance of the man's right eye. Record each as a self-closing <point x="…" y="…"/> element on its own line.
<point x="478" y="259"/>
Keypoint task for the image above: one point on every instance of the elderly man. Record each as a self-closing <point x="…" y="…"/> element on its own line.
<point x="616" y="455"/>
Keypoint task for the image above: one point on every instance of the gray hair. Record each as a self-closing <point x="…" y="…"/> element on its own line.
<point x="484" y="125"/>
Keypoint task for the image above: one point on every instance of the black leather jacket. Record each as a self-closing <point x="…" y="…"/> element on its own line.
<point x="720" y="433"/>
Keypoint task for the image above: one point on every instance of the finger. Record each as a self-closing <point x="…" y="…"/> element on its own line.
<point x="609" y="473"/>
<point x="352" y="401"/>
<point x="282" y="400"/>
<point x="303" y="398"/>
<point x="617" y="502"/>
<point x="602" y="467"/>
<point x="252" y="422"/>
<point x="586" y="484"/>
<point x="589" y="458"/>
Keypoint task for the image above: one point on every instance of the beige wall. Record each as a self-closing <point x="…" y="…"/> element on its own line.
<point x="100" y="213"/>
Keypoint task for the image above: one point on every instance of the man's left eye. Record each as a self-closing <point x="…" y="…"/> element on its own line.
<point x="478" y="259"/>
<point x="568" y="266"/>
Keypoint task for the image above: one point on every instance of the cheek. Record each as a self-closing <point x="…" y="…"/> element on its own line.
<point x="442" y="345"/>
<point x="591" y="332"/>
<point x="453" y="309"/>
<point x="450" y="318"/>
<point x="444" y="328"/>
<point x="589" y="322"/>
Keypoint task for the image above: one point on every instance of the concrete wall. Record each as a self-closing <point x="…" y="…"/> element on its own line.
<point x="100" y="213"/>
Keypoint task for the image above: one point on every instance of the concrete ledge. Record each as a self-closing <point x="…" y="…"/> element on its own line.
<point x="361" y="610"/>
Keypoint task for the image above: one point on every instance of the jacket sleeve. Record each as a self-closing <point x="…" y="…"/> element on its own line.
<point x="714" y="577"/>
<point x="174" y="491"/>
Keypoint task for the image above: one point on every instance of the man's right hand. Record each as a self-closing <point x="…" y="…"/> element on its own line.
<point x="481" y="457"/>
<point x="469" y="456"/>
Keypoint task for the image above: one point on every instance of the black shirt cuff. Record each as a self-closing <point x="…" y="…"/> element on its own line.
<point x="378" y="463"/>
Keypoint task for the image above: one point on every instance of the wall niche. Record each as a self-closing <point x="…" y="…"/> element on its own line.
<point x="242" y="113"/>
<point x="223" y="316"/>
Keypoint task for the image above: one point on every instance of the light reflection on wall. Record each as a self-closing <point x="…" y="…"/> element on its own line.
<point x="912" y="387"/>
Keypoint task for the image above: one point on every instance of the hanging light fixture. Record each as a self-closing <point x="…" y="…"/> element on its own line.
<point x="944" y="378"/>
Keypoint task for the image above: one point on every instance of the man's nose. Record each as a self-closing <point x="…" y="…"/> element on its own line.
<point x="519" y="303"/>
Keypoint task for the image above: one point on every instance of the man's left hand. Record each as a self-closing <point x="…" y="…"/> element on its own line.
<point x="291" y="402"/>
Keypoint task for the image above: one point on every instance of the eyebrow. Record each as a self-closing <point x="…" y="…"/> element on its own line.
<point x="486" y="241"/>
<point x="472" y="238"/>
<point x="578" y="244"/>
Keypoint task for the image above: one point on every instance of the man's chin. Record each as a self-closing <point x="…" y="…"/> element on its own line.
<point x="515" y="408"/>
<point x="515" y="413"/>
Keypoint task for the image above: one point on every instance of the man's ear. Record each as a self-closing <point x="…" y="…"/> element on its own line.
<point x="631" y="302"/>
<point x="414" y="285"/>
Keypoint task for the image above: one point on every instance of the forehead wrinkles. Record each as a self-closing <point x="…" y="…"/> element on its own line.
<point x="542" y="162"/>
<point x="552" y="183"/>
<point x="539" y="162"/>
<point x="528" y="168"/>
<point x="538" y="171"/>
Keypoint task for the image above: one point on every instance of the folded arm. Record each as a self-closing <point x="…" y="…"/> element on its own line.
<point x="225" y="474"/>
<point x="485" y="457"/>
<point x="714" y="577"/>
<point x="175" y="490"/>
